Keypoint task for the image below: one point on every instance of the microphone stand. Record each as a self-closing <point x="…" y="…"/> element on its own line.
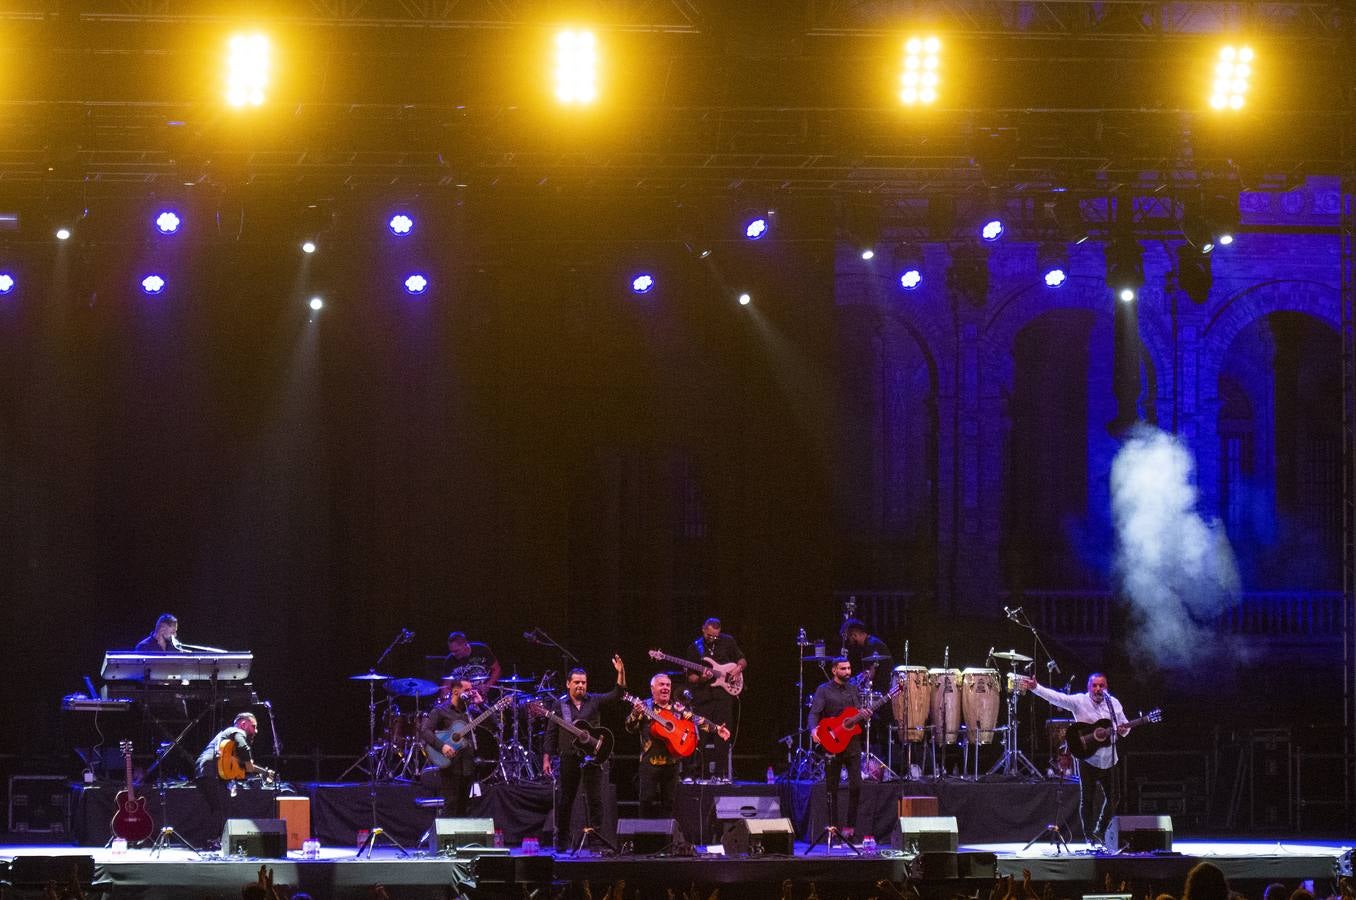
<point x="541" y="638"/>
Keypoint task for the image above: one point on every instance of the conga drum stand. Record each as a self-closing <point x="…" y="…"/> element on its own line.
<point x="1013" y="761"/>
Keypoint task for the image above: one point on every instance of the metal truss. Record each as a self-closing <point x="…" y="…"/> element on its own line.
<point x="1108" y="19"/>
<point x="1348" y="301"/>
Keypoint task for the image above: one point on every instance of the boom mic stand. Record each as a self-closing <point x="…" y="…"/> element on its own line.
<point x="376" y="831"/>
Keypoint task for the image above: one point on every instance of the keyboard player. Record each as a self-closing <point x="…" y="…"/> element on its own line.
<point x="163" y="638"/>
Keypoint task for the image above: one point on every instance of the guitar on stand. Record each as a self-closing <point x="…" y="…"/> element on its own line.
<point x="836" y="732"/>
<point x="725" y="676"/>
<point x="131" y="821"/>
<point x="677" y="732"/>
<point x="594" y="740"/>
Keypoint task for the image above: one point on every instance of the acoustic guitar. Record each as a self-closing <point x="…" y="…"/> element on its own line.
<point x="230" y="767"/>
<point x="836" y="732"/>
<point x="459" y="735"/>
<point x="594" y="741"/>
<point x="131" y="821"/>
<point x="1086" y="738"/>
<point x="679" y="733"/>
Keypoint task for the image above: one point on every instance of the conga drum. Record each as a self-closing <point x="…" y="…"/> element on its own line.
<point x="913" y="703"/>
<point x="980" y="692"/>
<point x="945" y="706"/>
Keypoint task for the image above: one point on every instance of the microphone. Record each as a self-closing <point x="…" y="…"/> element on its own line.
<point x="531" y="636"/>
<point x="990" y="656"/>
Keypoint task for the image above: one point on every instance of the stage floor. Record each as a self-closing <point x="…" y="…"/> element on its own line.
<point x="339" y="874"/>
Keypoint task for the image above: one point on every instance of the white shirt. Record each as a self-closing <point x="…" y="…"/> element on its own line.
<point x="1085" y="710"/>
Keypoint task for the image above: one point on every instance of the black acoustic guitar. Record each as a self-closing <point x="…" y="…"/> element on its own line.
<point x="594" y="741"/>
<point x="1086" y="738"/>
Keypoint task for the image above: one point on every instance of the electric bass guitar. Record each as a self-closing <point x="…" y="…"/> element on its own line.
<point x="131" y="821"/>
<point x="594" y="741"/>
<point x="836" y="732"/>
<point x="725" y="676"/>
<point x="1086" y="738"/>
<point x="679" y="733"/>
<point x="231" y="768"/>
<point x="459" y="735"/>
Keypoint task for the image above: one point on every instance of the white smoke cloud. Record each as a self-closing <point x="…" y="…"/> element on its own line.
<point x="1176" y="570"/>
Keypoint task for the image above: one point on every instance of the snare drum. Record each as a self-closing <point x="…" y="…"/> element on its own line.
<point x="979" y="703"/>
<point x="398" y="726"/>
<point x="945" y="705"/>
<point x="913" y="702"/>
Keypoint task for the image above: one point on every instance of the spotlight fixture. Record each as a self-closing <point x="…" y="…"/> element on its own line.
<point x="167" y="222"/>
<point x="1198" y="232"/>
<point x="1233" y="71"/>
<point x="1226" y="239"/>
<point x="576" y="72"/>
<point x="153" y="284"/>
<point x="7" y="283"/>
<point x="1052" y="262"/>
<point x="248" y="67"/>
<point x="756" y="228"/>
<point x="416" y="283"/>
<point x="642" y="283"/>
<point x="921" y="77"/>
<point x="868" y="253"/>
<point x="992" y="230"/>
<point x="316" y="304"/>
<point x="400" y="224"/>
<point x="1194" y="274"/>
<point x="911" y="279"/>
<point x="308" y="247"/>
<point x="745" y="299"/>
<point x="63" y="234"/>
<point x="1125" y="268"/>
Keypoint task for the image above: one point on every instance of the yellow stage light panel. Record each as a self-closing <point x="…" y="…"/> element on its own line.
<point x="920" y="80"/>
<point x="576" y="70"/>
<point x="1233" y="74"/>
<point x="249" y="67"/>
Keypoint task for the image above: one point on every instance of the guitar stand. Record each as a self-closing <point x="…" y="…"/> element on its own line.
<point x="591" y="835"/>
<point x="371" y="843"/>
<point x="1052" y="833"/>
<point x="169" y="838"/>
<point x="828" y="836"/>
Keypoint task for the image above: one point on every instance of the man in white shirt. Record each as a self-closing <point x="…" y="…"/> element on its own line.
<point x="1096" y="774"/>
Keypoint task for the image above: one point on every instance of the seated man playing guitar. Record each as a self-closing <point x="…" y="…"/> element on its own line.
<point x="454" y="778"/>
<point x="668" y="734"/>
<point x="228" y="757"/>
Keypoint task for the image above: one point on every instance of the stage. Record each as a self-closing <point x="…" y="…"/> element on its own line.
<point x="176" y="874"/>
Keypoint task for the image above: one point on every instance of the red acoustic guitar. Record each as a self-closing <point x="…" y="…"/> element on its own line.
<point x="131" y="821"/>
<point x="836" y="732"/>
<point x="678" y="733"/>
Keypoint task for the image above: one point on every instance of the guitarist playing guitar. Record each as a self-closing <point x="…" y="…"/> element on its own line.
<point x="578" y="707"/>
<point x="708" y="698"/>
<point x="227" y="756"/>
<point x="1098" y="791"/>
<point x="831" y="699"/>
<point x="456" y="777"/>
<point x="668" y="734"/>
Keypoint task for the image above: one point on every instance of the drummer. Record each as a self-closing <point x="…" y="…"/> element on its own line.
<point x="472" y="658"/>
<point x="867" y="653"/>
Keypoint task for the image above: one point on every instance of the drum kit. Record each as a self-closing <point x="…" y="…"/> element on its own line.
<point x="508" y="748"/>
<point x="935" y="709"/>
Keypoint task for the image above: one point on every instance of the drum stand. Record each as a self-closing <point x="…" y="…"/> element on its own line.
<point x="1013" y="761"/>
<point x="828" y="837"/>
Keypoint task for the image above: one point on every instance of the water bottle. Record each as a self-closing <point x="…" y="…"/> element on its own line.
<point x="869" y="843"/>
<point x="771" y="776"/>
<point x="499" y="837"/>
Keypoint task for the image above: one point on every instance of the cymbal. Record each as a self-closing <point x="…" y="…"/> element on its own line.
<point x="517" y="679"/>
<point x="410" y="687"/>
<point x="874" y="658"/>
<point x="1011" y="656"/>
<point x="369" y="676"/>
<point x="815" y="658"/>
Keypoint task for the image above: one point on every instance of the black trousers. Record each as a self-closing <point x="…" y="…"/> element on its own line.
<point x="454" y="783"/>
<point x="574" y="776"/>
<point x="851" y="758"/>
<point x="658" y="787"/>
<point x="217" y="794"/>
<point x="1099" y="798"/>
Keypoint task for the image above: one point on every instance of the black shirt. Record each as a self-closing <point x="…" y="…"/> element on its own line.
<point x="148" y="644"/>
<point x="481" y="655"/>
<point x="872" y="647"/>
<point x="830" y="699"/>
<point x="724" y="649"/>
<point x="442" y="718"/>
<point x="558" y="740"/>
<point x="207" y="759"/>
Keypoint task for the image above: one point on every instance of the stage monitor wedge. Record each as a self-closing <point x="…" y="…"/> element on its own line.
<point x="259" y="838"/>
<point x="462" y="837"/>
<point x="927" y="834"/>
<point x="1140" y="834"/>
<point x="754" y="837"/>
<point x="648" y="835"/>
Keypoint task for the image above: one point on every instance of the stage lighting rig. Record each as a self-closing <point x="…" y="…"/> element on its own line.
<point x="576" y="69"/>
<point x="1125" y="267"/>
<point x="1052" y="262"/>
<point x="249" y="65"/>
